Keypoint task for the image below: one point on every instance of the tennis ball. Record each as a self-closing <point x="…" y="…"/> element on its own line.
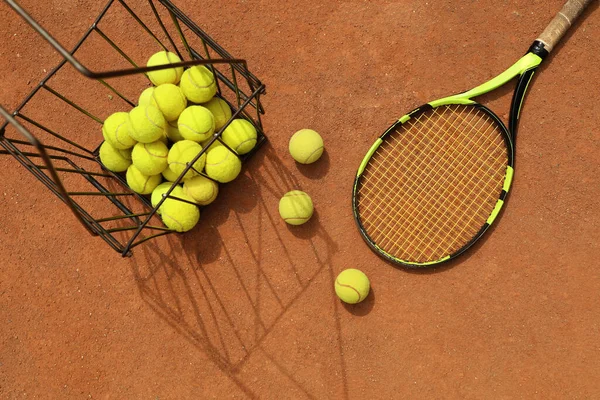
<point x="220" y="111"/>
<point x="352" y="286"/>
<point x="182" y="153"/>
<point x="198" y="84"/>
<point x="147" y="123"/>
<point x="169" y="75"/>
<point x="169" y="99"/>
<point x="296" y="207"/>
<point x="306" y="146"/>
<point x="140" y="183"/>
<point x="203" y="190"/>
<point x="169" y="175"/>
<point x="222" y="165"/>
<point x="150" y="158"/>
<point x="117" y="131"/>
<point x="114" y="159"/>
<point x="179" y="215"/>
<point x="160" y="190"/>
<point x="173" y="132"/>
<point x="146" y="96"/>
<point x="212" y="146"/>
<point x="240" y="135"/>
<point x="196" y="123"/>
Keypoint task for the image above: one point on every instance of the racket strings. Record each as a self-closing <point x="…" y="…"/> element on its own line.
<point x="432" y="183"/>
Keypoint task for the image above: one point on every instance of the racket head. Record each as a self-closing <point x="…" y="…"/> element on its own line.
<point x="433" y="183"/>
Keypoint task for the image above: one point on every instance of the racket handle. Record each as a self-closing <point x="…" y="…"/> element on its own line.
<point x="562" y="22"/>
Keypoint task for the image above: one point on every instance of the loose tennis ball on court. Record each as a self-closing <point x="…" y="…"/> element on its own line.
<point x="240" y="135"/>
<point x="220" y="111"/>
<point x="114" y="159"/>
<point x="169" y="99"/>
<point x="352" y="286"/>
<point x="141" y="183"/>
<point x="222" y="165"/>
<point x="196" y="123"/>
<point x="296" y="207"/>
<point x="169" y="75"/>
<point x="182" y="153"/>
<point x="147" y="124"/>
<point x="203" y="190"/>
<point x="169" y="175"/>
<point x="150" y="158"/>
<point x="198" y="84"/>
<point x="146" y="96"/>
<point x="161" y="189"/>
<point x="306" y="146"/>
<point x="173" y="132"/>
<point x="118" y="132"/>
<point x="178" y="215"/>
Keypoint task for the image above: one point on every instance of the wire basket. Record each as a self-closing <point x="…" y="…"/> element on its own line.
<point x="55" y="133"/>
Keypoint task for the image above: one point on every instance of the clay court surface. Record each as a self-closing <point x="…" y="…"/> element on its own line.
<point x="243" y="306"/>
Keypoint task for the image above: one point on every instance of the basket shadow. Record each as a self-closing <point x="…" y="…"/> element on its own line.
<point x="227" y="285"/>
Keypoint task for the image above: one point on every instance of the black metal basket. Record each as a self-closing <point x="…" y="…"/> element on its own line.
<point x="60" y="144"/>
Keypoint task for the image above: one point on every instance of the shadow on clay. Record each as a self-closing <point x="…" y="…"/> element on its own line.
<point x="240" y="278"/>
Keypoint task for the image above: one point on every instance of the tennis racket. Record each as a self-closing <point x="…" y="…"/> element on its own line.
<point x="433" y="183"/>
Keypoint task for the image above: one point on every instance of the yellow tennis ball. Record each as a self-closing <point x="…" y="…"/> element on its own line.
<point x="147" y="123"/>
<point x="140" y="183"/>
<point x="117" y="131"/>
<point x="220" y="111"/>
<point x="222" y="165"/>
<point x="169" y="99"/>
<point x="114" y="159"/>
<point x="146" y="96"/>
<point x="150" y="158"/>
<point x="196" y="123"/>
<point x="198" y="84"/>
<point x="160" y="190"/>
<point x="296" y="207"/>
<point x="306" y="146"/>
<point x="169" y="175"/>
<point x="212" y="146"/>
<point x="352" y="286"/>
<point x="240" y="135"/>
<point x="181" y="154"/>
<point x="179" y="215"/>
<point x="203" y="190"/>
<point x="169" y="75"/>
<point x="173" y="132"/>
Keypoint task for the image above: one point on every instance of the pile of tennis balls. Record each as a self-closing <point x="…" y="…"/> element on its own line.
<point x="173" y="122"/>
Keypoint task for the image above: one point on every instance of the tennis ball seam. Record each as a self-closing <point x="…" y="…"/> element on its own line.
<point x="222" y="161"/>
<point x="296" y="218"/>
<point x="311" y="154"/>
<point x="242" y="143"/>
<point x="152" y="154"/>
<point x="150" y="119"/>
<point x="194" y="83"/>
<point x="172" y="218"/>
<point x="196" y="132"/>
<point x="349" y="287"/>
<point x="117" y="133"/>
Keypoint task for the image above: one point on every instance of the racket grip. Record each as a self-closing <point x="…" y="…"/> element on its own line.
<point x="562" y="22"/>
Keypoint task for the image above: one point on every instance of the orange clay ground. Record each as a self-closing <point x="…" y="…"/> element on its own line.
<point x="243" y="306"/>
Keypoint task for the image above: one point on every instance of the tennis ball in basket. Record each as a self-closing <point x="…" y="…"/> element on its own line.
<point x="179" y="215"/>
<point x="196" y="123"/>
<point x="146" y="96"/>
<point x="173" y="132"/>
<point x="150" y="158"/>
<point x="161" y="189"/>
<point x="140" y="183"/>
<point x="169" y="99"/>
<point x="147" y="124"/>
<point x="296" y="207"/>
<point x="169" y="175"/>
<point x="169" y="75"/>
<point x="198" y="84"/>
<point x="222" y="165"/>
<point x="182" y="153"/>
<point x="114" y="159"/>
<point x="220" y="111"/>
<point x="240" y="135"/>
<point x="212" y="146"/>
<point x="117" y="131"/>
<point x="352" y="286"/>
<point x="203" y="190"/>
<point x="306" y="146"/>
